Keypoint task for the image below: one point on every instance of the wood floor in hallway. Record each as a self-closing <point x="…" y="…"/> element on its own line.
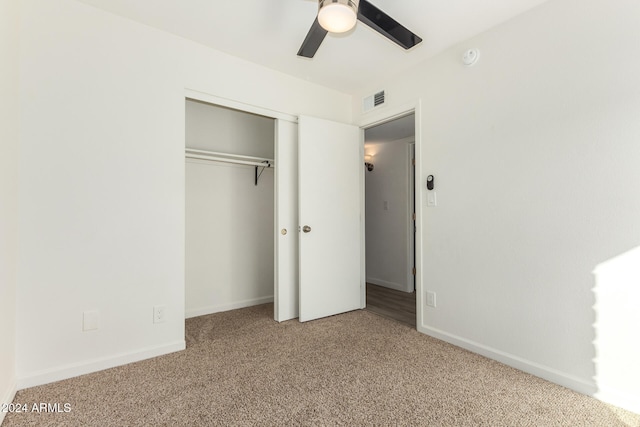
<point x="397" y="305"/>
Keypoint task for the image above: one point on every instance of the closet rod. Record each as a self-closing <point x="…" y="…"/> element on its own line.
<point x="222" y="159"/>
<point x="257" y="162"/>
<point x="228" y="158"/>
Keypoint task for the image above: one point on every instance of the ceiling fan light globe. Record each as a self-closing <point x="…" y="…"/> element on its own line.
<point x="337" y="17"/>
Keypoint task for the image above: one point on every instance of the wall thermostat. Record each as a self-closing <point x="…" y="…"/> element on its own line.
<point x="430" y="182"/>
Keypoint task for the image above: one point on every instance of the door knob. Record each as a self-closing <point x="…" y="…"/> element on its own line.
<point x="306" y="229"/>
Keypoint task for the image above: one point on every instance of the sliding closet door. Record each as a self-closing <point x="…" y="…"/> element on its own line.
<point x="286" y="221"/>
<point x="330" y="168"/>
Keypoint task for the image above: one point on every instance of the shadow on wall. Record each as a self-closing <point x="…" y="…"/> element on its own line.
<point x="617" y="329"/>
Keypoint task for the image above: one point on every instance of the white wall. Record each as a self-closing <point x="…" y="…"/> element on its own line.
<point x="9" y="149"/>
<point x="224" y="130"/>
<point x="229" y="220"/>
<point x="102" y="222"/>
<point x="535" y="153"/>
<point x="387" y="237"/>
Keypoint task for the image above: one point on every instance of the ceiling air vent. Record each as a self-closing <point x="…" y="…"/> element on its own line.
<point x="373" y="101"/>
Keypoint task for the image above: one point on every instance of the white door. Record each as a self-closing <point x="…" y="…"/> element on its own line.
<point x="285" y="297"/>
<point x="330" y="172"/>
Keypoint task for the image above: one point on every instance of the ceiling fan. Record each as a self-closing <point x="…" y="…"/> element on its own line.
<point x="338" y="16"/>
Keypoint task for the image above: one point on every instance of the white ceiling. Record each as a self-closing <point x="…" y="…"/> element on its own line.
<point x="269" y="32"/>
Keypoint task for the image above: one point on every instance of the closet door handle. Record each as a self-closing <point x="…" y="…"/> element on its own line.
<point x="306" y="229"/>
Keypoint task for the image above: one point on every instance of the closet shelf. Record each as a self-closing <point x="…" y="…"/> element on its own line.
<point x="257" y="162"/>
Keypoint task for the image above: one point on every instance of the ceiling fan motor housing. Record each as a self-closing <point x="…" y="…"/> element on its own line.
<point x="337" y="16"/>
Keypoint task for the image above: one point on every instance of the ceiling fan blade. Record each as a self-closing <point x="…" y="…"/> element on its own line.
<point x="386" y="25"/>
<point x="313" y="40"/>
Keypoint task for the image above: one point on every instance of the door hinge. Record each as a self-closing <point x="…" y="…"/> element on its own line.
<point x="413" y="216"/>
<point x="413" y="161"/>
<point x="413" y="271"/>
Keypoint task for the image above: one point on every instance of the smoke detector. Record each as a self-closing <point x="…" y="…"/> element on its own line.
<point x="470" y="57"/>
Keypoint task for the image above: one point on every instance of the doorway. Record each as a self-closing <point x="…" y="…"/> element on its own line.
<point x="390" y="218"/>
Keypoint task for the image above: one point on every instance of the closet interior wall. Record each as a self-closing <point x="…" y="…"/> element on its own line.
<point x="229" y="259"/>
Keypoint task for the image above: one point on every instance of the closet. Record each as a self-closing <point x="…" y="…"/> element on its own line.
<point x="229" y="209"/>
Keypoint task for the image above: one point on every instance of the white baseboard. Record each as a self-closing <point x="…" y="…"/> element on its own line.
<point x="202" y="311"/>
<point x="550" y="374"/>
<point x="391" y="285"/>
<point x="589" y="388"/>
<point x="82" y="368"/>
<point x="7" y="397"/>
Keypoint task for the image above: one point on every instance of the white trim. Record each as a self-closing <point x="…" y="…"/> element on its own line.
<point x="86" y="367"/>
<point x="601" y="392"/>
<point x="542" y="371"/>
<point x="390" y="285"/>
<point x="7" y="397"/>
<point x="363" y="227"/>
<point x="411" y="208"/>
<point x="236" y="105"/>
<point x="419" y="209"/>
<point x="386" y="115"/>
<point x="226" y="307"/>
<point x="389" y="114"/>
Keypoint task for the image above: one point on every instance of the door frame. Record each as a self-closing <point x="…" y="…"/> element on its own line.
<point x="237" y="105"/>
<point x="411" y="233"/>
<point x="387" y="114"/>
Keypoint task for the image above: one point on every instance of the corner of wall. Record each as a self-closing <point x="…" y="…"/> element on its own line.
<point x="9" y="156"/>
<point x="7" y="397"/>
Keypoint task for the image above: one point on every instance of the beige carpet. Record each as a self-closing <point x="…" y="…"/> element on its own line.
<point x="242" y="368"/>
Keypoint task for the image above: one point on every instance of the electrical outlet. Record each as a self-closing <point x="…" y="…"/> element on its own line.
<point x="159" y="312"/>
<point x="431" y="299"/>
<point x="90" y="320"/>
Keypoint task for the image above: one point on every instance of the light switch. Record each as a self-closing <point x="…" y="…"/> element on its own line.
<point x="431" y="299"/>
<point x="431" y="199"/>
